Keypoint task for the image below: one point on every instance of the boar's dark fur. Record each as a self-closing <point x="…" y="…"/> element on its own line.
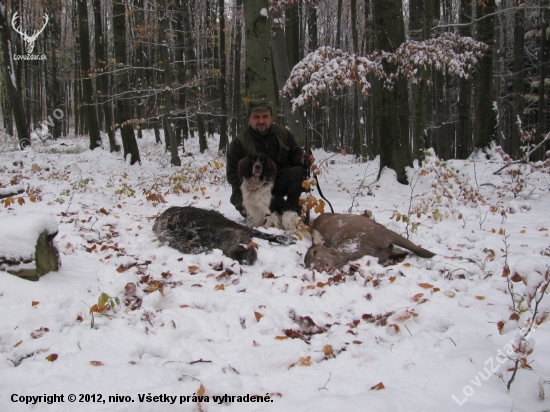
<point x="193" y="230"/>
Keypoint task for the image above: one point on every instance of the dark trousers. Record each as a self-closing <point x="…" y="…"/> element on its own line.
<point x="288" y="183"/>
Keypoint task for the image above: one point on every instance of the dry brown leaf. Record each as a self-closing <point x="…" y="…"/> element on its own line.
<point x="34" y="303"/>
<point x="96" y="363"/>
<point x="52" y="357"/>
<point x="279" y="337"/>
<point x="327" y="350"/>
<point x="18" y="343"/>
<point x="392" y="279"/>
<point x="193" y="270"/>
<point x="303" y="361"/>
<point x="220" y="287"/>
<point x="417" y="297"/>
<point x="258" y="316"/>
<point x="378" y="387"/>
<point x="480" y="297"/>
<point x="426" y="285"/>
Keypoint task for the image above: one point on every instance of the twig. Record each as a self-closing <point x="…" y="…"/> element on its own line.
<point x="324" y="387"/>
<point x="526" y="158"/>
<point x="200" y="361"/>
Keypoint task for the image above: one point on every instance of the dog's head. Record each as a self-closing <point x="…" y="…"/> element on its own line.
<point x="257" y="166"/>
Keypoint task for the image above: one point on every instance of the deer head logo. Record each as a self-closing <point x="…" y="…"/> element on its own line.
<point x="29" y="40"/>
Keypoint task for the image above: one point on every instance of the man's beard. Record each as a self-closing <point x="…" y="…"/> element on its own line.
<point x="263" y="133"/>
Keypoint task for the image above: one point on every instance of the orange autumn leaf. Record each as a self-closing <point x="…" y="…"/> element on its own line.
<point x="34" y="303"/>
<point x="426" y="285"/>
<point x="220" y="287"/>
<point x="193" y="270"/>
<point x="378" y="387"/>
<point x="18" y="343"/>
<point x="96" y="363"/>
<point x="258" y="316"/>
<point x="480" y="297"/>
<point x="280" y="337"/>
<point x="327" y="350"/>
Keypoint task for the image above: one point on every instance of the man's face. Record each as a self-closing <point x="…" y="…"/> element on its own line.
<point x="260" y="120"/>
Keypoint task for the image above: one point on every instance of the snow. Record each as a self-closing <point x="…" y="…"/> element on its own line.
<point x="188" y="323"/>
<point x="18" y="234"/>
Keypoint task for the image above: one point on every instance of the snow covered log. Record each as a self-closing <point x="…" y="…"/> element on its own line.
<point x="11" y="191"/>
<point x="25" y="239"/>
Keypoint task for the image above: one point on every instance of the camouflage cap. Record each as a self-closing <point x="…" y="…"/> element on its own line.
<point x="260" y="104"/>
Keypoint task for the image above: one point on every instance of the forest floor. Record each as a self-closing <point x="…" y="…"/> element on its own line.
<point x="415" y="335"/>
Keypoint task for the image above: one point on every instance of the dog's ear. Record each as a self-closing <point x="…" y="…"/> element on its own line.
<point x="243" y="169"/>
<point x="270" y="169"/>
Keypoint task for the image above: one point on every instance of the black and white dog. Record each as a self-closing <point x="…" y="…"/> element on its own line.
<point x="257" y="173"/>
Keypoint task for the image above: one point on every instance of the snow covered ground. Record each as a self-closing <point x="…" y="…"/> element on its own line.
<point x="418" y="335"/>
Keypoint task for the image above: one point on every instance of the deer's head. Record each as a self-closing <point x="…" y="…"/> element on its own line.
<point x="29" y="40"/>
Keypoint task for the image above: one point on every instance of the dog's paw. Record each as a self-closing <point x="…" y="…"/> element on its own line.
<point x="290" y="220"/>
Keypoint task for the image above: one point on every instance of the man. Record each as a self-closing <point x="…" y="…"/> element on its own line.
<point x="262" y="136"/>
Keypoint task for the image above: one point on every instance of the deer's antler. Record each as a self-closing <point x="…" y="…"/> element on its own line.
<point x="13" y="23"/>
<point x="37" y="32"/>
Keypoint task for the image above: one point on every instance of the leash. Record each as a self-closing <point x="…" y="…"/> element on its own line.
<point x="308" y="175"/>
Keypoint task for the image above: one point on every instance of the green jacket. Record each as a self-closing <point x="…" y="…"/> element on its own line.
<point x="290" y="154"/>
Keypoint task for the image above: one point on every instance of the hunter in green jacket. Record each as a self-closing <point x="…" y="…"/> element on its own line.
<point x="262" y="136"/>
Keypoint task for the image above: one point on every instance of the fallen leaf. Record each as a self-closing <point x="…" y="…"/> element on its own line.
<point x="304" y="361"/>
<point x="328" y="351"/>
<point x="220" y="287"/>
<point x="480" y="297"/>
<point x="417" y="297"/>
<point x="258" y="316"/>
<point x="17" y="344"/>
<point x="52" y="357"/>
<point x="279" y="337"/>
<point x="425" y="285"/>
<point x="34" y="303"/>
<point x="193" y="270"/>
<point x="96" y="363"/>
<point x="378" y="387"/>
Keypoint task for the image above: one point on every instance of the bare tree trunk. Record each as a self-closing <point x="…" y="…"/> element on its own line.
<point x="519" y="76"/>
<point x="395" y="151"/>
<point x="168" y="127"/>
<point x="236" y="109"/>
<point x="259" y="72"/>
<point x="195" y="91"/>
<point x="88" y="92"/>
<point x="223" y="98"/>
<point x="282" y="70"/>
<point x="14" y="91"/>
<point x="543" y="61"/>
<point x="485" y="114"/>
<point x="102" y="80"/>
<point x="123" y="101"/>
<point x="464" y="132"/>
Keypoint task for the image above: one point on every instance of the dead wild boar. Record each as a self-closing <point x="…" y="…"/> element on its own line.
<point x="194" y="230"/>
<point x="339" y="238"/>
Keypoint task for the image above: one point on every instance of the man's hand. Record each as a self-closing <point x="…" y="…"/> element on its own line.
<point x="311" y="159"/>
